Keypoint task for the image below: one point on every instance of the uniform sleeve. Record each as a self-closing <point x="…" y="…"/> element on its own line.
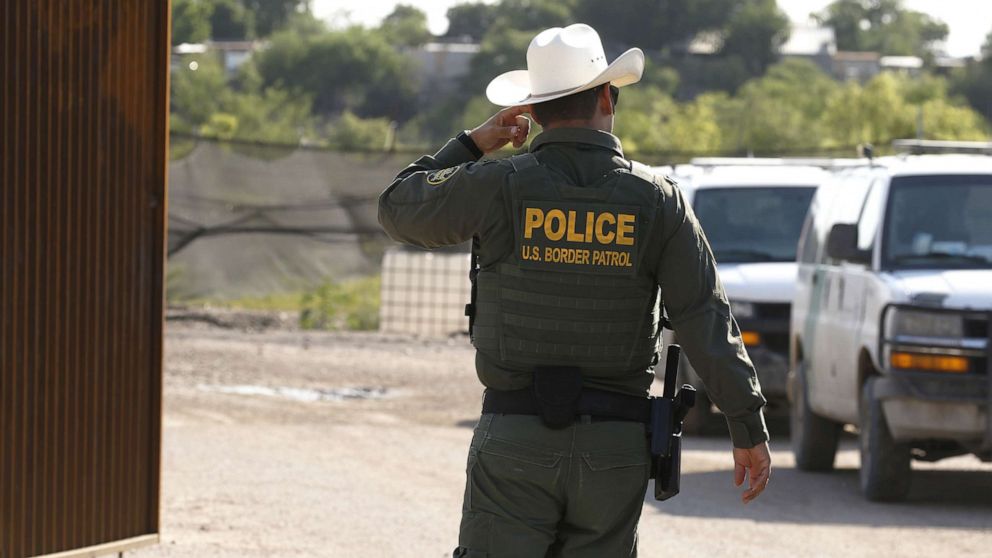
<point x="700" y="314"/>
<point x="441" y="200"/>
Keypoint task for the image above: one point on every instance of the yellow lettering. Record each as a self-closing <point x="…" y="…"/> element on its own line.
<point x="533" y="218"/>
<point x="590" y="217"/>
<point x="601" y="237"/>
<point x="572" y="236"/>
<point x="625" y="229"/>
<point x="552" y="231"/>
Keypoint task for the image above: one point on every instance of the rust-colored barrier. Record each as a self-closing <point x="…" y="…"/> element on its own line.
<point x="83" y="120"/>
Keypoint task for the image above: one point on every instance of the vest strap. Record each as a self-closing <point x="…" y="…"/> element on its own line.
<point x="523" y="161"/>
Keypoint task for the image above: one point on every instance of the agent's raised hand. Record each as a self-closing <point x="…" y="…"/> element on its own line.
<point x="506" y="126"/>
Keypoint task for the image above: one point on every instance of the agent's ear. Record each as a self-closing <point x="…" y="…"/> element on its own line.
<point x="533" y="115"/>
<point x="604" y="101"/>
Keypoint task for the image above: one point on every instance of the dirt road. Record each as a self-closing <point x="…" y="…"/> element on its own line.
<point x="340" y="445"/>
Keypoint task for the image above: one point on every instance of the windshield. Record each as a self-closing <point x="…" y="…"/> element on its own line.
<point x="939" y="222"/>
<point x="760" y="224"/>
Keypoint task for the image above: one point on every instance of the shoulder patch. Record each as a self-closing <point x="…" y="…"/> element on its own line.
<point x="440" y="176"/>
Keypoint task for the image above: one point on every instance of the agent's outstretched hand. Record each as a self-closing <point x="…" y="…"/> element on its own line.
<point x="506" y="126"/>
<point x="756" y="464"/>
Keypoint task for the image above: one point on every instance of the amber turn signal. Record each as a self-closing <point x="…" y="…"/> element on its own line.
<point x="751" y="338"/>
<point x="935" y="363"/>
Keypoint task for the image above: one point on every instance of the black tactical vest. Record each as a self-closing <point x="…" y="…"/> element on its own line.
<point x="574" y="290"/>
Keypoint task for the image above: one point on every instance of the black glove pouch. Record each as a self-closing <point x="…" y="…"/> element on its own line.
<point x="558" y="389"/>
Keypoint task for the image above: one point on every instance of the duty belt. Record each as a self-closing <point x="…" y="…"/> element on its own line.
<point x="602" y="405"/>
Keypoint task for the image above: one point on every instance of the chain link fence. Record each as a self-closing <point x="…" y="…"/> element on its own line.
<point x="250" y="220"/>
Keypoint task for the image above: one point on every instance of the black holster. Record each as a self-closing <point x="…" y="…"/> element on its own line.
<point x="558" y="389"/>
<point x="665" y="429"/>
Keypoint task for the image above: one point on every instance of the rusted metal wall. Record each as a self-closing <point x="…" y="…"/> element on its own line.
<point x="83" y="117"/>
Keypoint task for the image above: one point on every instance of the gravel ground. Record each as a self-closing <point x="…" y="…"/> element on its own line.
<point x="287" y="443"/>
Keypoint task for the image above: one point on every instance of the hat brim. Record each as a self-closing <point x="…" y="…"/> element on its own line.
<point x="514" y="88"/>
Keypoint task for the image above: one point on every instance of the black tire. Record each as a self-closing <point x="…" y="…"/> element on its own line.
<point x="885" y="464"/>
<point x="814" y="438"/>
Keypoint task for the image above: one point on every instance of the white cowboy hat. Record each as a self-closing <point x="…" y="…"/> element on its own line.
<point x="562" y="61"/>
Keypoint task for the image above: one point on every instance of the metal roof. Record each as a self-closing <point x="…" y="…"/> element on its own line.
<point x="743" y="176"/>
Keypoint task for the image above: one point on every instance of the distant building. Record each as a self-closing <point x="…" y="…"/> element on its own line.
<point x="856" y="66"/>
<point x="944" y="65"/>
<point x="443" y="65"/>
<point x="231" y="54"/>
<point x="816" y="44"/>
<point x="706" y="43"/>
<point x="909" y="65"/>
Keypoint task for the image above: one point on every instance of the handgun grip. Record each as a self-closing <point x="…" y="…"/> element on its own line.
<point x="671" y="370"/>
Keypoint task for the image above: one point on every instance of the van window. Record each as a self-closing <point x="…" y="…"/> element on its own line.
<point x="871" y="214"/>
<point x="848" y="197"/>
<point x="939" y="222"/>
<point x="753" y="224"/>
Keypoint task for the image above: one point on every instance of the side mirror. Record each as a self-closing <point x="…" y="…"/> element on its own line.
<point x="842" y="244"/>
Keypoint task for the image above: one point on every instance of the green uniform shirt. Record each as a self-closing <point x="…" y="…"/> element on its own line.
<point x="447" y="198"/>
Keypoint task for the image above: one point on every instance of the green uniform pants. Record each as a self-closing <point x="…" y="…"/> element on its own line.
<point x="534" y="492"/>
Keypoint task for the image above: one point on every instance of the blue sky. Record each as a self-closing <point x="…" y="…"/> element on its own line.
<point x="969" y="20"/>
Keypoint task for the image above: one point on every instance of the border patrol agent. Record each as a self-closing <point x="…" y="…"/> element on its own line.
<point x="572" y="244"/>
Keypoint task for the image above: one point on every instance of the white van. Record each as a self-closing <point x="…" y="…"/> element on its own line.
<point x="752" y="211"/>
<point x="890" y="322"/>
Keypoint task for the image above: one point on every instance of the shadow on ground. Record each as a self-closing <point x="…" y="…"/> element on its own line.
<point x="952" y="498"/>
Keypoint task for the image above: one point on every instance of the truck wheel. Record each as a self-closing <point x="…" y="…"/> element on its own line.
<point x="814" y="438"/>
<point x="885" y="464"/>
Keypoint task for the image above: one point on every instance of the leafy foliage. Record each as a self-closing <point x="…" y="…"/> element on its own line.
<point x="231" y="21"/>
<point x="350" y="132"/>
<point x="884" y="26"/>
<point x="191" y="21"/>
<point x="754" y="32"/>
<point x="406" y="26"/>
<point x="355" y="69"/>
<point x="357" y="88"/>
<point x="352" y="305"/>
<point x="794" y="106"/>
<point x="204" y="103"/>
<point x="974" y="82"/>
<point x="270" y="15"/>
<point x="471" y="20"/>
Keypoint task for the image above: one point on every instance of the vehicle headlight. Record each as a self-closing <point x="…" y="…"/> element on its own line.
<point x="903" y="322"/>
<point x="742" y="309"/>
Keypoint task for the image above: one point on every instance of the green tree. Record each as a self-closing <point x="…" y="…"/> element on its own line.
<point x="943" y="120"/>
<point x="503" y="49"/>
<point x="755" y="32"/>
<point x="876" y="112"/>
<point x="271" y="15"/>
<point x="230" y="21"/>
<point x="654" y="24"/>
<point x="659" y="75"/>
<point x="974" y="82"/>
<point x="535" y="15"/>
<point x="203" y="102"/>
<point x="406" y="26"/>
<point x="355" y="69"/>
<point x="191" y="21"/>
<point x="884" y="26"/>
<point x="470" y="20"/>
<point x="349" y="132"/>
<point x="198" y="86"/>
